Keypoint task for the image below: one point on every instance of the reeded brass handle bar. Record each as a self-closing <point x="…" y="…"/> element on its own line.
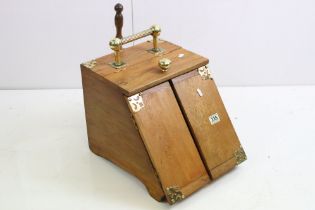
<point x="117" y="43"/>
<point x="150" y="31"/>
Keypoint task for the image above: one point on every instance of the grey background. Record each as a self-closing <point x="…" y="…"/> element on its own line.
<point x="257" y="42"/>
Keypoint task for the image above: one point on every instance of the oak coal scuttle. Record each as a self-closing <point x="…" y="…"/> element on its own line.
<point x="154" y="110"/>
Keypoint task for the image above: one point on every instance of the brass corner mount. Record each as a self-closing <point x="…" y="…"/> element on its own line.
<point x="174" y="194"/>
<point x="90" y="64"/>
<point x="240" y="155"/>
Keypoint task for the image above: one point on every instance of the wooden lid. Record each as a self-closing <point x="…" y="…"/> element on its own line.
<point x="142" y="70"/>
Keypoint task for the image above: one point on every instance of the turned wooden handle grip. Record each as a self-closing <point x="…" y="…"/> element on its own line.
<point x="119" y="20"/>
<point x="117" y="43"/>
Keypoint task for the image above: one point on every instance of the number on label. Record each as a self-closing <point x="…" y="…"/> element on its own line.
<point x="214" y="118"/>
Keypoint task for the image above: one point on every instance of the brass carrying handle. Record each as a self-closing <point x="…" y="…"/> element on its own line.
<point x="117" y="43"/>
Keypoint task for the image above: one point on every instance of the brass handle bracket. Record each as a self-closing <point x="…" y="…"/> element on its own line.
<point x="117" y="43"/>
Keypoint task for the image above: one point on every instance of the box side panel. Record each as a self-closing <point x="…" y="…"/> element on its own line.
<point x="112" y="133"/>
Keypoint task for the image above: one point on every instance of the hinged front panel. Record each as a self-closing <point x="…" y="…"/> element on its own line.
<point x="169" y="142"/>
<point x="209" y="121"/>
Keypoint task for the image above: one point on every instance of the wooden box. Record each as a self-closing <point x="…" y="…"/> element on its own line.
<point x="168" y="128"/>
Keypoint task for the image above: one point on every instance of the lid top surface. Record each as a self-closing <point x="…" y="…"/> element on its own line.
<point x="142" y="69"/>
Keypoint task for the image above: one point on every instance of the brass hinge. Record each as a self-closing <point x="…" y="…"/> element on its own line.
<point x="136" y="102"/>
<point x="90" y="64"/>
<point x="204" y="72"/>
<point x="174" y="194"/>
<point x="240" y="155"/>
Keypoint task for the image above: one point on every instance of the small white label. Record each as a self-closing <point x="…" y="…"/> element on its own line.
<point x="199" y="92"/>
<point x="181" y="55"/>
<point x="214" y="118"/>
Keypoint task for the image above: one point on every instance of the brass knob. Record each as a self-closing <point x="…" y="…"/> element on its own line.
<point x="165" y="64"/>
<point x="115" y="44"/>
<point x="156" y="30"/>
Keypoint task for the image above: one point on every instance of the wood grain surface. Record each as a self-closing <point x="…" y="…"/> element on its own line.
<point x="218" y="142"/>
<point x="169" y="142"/>
<point x="142" y="70"/>
<point x="112" y="133"/>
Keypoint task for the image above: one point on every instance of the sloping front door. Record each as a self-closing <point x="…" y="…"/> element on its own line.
<point x="169" y="142"/>
<point x="209" y="122"/>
